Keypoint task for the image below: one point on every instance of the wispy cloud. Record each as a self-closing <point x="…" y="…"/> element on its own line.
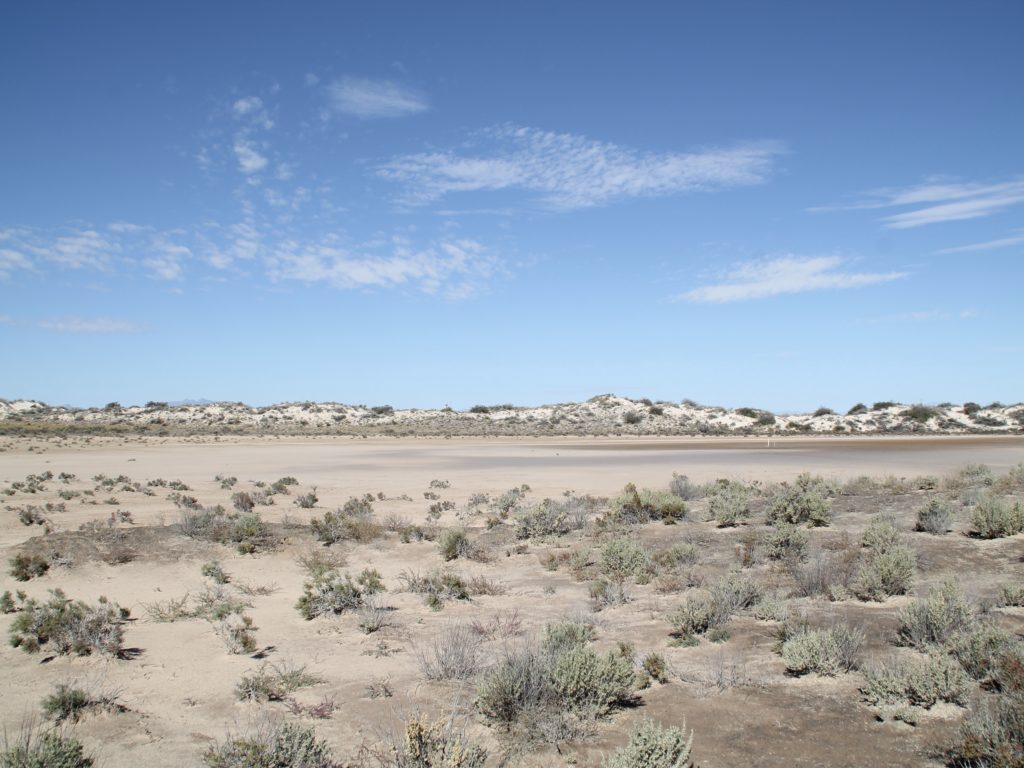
<point x="370" y="98"/>
<point x="989" y="245"/>
<point x="783" y="275"/>
<point x="249" y="159"/>
<point x="933" y="202"/>
<point x="924" y="316"/>
<point x="11" y="260"/>
<point x="569" y="171"/>
<point x="454" y="268"/>
<point x="89" y="325"/>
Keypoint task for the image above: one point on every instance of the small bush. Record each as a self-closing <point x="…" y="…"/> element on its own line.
<point x="921" y="414"/>
<point x="353" y="521"/>
<point x="436" y="744"/>
<point x="274" y="746"/>
<point x="454" y="654"/>
<point x="593" y="684"/>
<point x="700" y="612"/>
<point x="653" y="746"/>
<point x="881" y="534"/>
<point x="1011" y="594"/>
<point x="274" y="682"/>
<point x="922" y="682"/>
<point x="936" y="619"/>
<point x="806" y="502"/>
<point x="624" y="560"/>
<point x="825" y="573"/>
<point x="994" y="517"/>
<point x="49" y="749"/>
<point x="728" y="501"/>
<point x="454" y="543"/>
<point x="436" y="587"/>
<point x="555" y="517"/>
<point x="25" y="567"/>
<point x="68" y="626"/>
<point x="886" y="573"/>
<point x="242" y="501"/>
<point x="823" y="651"/>
<point x="329" y="593"/>
<point x="681" y="486"/>
<point x="237" y="632"/>
<point x="215" y="571"/>
<point x="66" y="703"/>
<point x="645" y="505"/>
<point x="993" y="734"/>
<point x="983" y="650"/>
<point x="655" y="666"/>
<point x="786" y="541"/>
<point x="307" y="500"/>
<point x="935" y="517"/>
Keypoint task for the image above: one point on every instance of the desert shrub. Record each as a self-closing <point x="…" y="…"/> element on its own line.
<point x="214" y="603"/>
<point x="655" y="667"/>
<point x="7" y="604"/>
<point x="436" y="587"/>
<point x="518" y="683"/>
<point x="453" y="543"/>
<point x="825" y="573"/>
<point x="242" y="501"/>
<point x="68" y="626"/>
<point x="435" y="744"/>
<point x="771" y="607"/>
<point x="25" y="567"/>
<point x="329" y="592"/>
<point x="728" y="501"/>
<point x="920" y="414"/>
<point x="509" y="501"/>
<point x="700" y="612"/>
<point x="992" y="736"/>
<point x="215" y="571"/>
<point x="653" y="746"/>
<point x="856" y="409"/>
<point x="352" y="521"/>
<point x="591" y="683"/>
<point x="566" y="634"/>
<point x="454" y="654"/>
<point x="645" y="505"/>
<point x="805" y="502"/>
<point x="624" y="560"/>
<point x="1011" y="594"/>
<point x="881" y="534"/>
<point x="555" y="517"/>
<point x="786" y="541"/>
<point x="676" y="556"/>
<point x="995" y="516"/>
<point x="46" y="749"/>
<point x="307" y="500"/>
<point x="273" y="746"/>
<point x="681" y="486"/>
<point x="935" y="619"/>
<point x="66" y="703"/>
<point x="246" y="530"/>
<point x="934" y="517"/>
<point x="885" y="573"/>
<point x="822" y="651"/>
<point x="737" y="590"/>
<point x="920" y="682"/>
<point x="274" y="682"/>
<point x="983" y="649"/>
<point x="237" y="632"/>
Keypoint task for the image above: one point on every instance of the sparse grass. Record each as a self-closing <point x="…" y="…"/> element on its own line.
<point x="453" y="654"/>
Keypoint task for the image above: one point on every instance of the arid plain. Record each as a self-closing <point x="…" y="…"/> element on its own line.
<point x="457" y="564"/>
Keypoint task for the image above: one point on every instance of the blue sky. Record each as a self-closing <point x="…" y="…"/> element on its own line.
<point x="784" y="205"/>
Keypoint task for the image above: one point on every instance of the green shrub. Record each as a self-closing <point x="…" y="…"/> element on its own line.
<point x="653" y="746"/>
<point x="25" y="567"/>
<point x="593" y="684"/>
<point x="68" y="626"/>
<point x="920" y="414"/>
<point x="566" y="635"/>
<point x="982" y="650"/>
<point x="454" y="543"/>
<point x="642" y="506"/>
<point x="307" y="500"/>
<point x="994" y="517"/>
<point x="520" y="682"/>
<point x="935" y="517"/>
<point x="786" y="541"/>
<point x="655" y="667"/>
<point x="700" y="612"/>
<point x="50" y="749"/>
<point x="881" y="534"/>
<point x="675" y="556"/>
<point x="992" y="736"/>
<point x="623" y="560"/>
<point x="885" y="573"/>
<point x="823" y="651"/>
<point x="329" y="592"/>
<point x="921" y="682"/>
<point x="275" y="746"/>
<point x="66" y="703"/>
<point x="353" y="521"/>
<point x="935" y="619"/>
<point x="728" y="501"/>
<point x="806" y="502"/>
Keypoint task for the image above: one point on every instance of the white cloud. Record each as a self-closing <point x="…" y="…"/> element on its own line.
<point x="249" y="160"/>
<point x="247" y="106"/>
<point x="165" y="263"/>
<point x="86" y="248"/>
<point x="785" y="274"/>
<point x="89" y="325"/>
<point x="989" y="245"/>
<point x="367" y="98"/>
<point x="935" y="202"/>
<point x="311" y="80"/>
<point x="454" y="268"/>
<point x="11" y="260"/>
<point x="925" y="316"/>
<point x="570" y="171"/>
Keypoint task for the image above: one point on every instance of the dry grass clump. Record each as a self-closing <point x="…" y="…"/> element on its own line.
<point x="431" y="743"/>
<point x="437" y="587"/>
<point x="67" y="626"/>
<point x="454" y="654"/>
<point x="25" y="567"/>
<point x="454" y="543"/>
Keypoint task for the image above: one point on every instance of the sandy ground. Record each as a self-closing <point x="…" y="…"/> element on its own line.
<point x="178" y="684"/>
